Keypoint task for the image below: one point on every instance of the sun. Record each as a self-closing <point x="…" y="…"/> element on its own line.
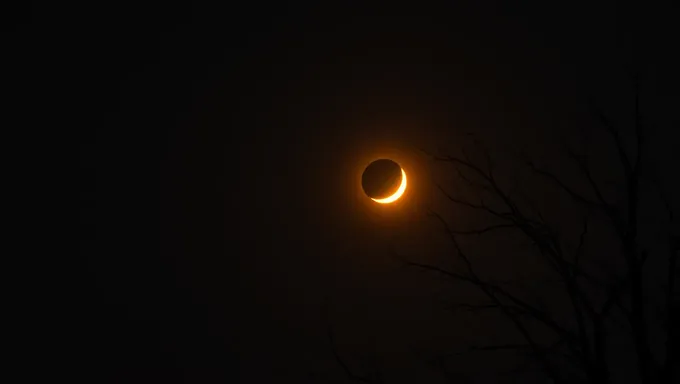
<point x="400" y="191"/>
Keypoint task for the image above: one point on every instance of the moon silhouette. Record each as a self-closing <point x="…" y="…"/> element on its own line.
<point x="384" y="181"/>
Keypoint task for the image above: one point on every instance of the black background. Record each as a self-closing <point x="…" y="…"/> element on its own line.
<point x="219" y="227"/>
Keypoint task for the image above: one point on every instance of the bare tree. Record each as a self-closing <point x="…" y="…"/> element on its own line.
<point x="602" y="304"/>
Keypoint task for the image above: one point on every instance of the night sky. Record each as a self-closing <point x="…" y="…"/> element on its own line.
<point x="224" y="225"/>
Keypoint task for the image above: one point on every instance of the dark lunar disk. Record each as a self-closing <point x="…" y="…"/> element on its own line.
<point x="381" y="178"/>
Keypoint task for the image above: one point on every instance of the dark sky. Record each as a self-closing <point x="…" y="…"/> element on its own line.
<point x="227" y="226"/>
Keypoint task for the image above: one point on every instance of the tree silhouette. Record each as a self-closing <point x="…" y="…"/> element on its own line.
<point x="588" y="314"/>
<point x="601" y="304"/>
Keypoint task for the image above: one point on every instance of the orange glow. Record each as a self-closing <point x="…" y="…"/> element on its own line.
<point x="397" y="195"/>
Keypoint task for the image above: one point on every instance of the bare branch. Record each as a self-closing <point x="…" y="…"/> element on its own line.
<point x="576" y="196"/>
<point x="452" y="232"/>
<point x="543" y="239"/>
<point x="585" y="169"/>
<point x="351" y="375"/>
<point x="492" y="289"/>
<point x="480" y="207"/>
<point x="589" y="343"/>
<point x="540" y="237"/>
<point x="472" y="183"/>
<point x="484" y="230"/>
<point x="465" y="162"/>
<point x="534" y="209"/>
<point x="452" y="237"/>
<point x="601" y="205"/>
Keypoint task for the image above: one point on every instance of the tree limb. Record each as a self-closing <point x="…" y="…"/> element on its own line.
<point x="351" y="375"/>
